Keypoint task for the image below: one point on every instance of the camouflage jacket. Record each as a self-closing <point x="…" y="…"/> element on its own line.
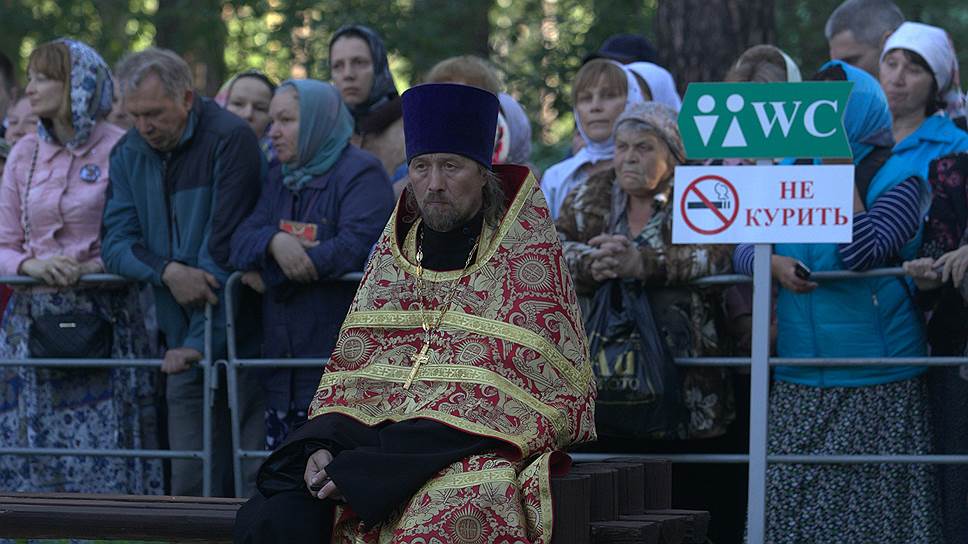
<point x="686" y="316"/>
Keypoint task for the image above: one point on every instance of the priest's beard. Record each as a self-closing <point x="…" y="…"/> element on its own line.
<point x="442" y="215"/>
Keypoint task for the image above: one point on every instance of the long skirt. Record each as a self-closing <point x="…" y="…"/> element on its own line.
<point x="845" y="504"/>
<point x="111" y="408"/>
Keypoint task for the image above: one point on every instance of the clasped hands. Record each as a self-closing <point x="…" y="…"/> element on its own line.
<point x="59" y="271"/>
<point x="929" y="273"/>
<point x="317" y="481"/>
<point x="615" y="256"/>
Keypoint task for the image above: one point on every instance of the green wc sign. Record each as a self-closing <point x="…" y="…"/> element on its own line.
<point x="765" y="120"/>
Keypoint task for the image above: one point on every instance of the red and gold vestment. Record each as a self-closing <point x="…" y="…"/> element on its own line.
<point x="509" y="361"/>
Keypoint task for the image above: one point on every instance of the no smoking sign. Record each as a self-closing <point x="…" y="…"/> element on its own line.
<point x="763" y="204"/>
<point x="710" y="204"/>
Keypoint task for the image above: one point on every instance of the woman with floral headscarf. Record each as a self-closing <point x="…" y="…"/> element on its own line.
<point x="856" y="409"/>
<point x="319" y="215"/>
<point x="51" y="202"/>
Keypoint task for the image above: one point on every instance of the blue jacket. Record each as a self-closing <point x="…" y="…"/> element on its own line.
<point x="873" y="317"/>
<point x="349" y="205"/>
<point x="183" y="206"/>
<point x="937" y="136"/>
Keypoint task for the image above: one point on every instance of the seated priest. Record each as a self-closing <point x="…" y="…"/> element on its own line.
<point x="461" y="368"/>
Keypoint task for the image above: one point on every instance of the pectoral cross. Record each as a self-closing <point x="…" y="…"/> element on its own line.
<point x="421" y="358"/>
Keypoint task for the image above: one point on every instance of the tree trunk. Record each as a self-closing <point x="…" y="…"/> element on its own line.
<point x="194" y="29"/>
<point x="443" y="28"/>
<point x="698" y="40"/>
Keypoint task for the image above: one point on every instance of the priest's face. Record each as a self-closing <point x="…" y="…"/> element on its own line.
<point x="448" y="189"/>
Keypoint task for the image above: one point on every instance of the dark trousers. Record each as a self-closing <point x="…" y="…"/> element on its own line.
<point x="290" y="516"/>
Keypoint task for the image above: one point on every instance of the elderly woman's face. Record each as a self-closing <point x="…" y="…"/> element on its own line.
<point x="284" y="133"/>
<point x="906" y="84"/>
<point x="598" y="107"/>
<point x="642" y="161"/>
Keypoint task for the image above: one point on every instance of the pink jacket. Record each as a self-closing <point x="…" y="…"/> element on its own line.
<point x="65" y="203"/>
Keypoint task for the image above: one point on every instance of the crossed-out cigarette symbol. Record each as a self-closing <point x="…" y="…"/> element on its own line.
<point x="724" y="204"/>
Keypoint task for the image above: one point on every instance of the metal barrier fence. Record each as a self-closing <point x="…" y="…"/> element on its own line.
<point x="209" y="385"/>
<point x="759" y="362"/>
<point x="232" y="366"/>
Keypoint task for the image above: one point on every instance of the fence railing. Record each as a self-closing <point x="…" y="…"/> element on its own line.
<point x="759" y="361"/>
<point x="204" y="455"/>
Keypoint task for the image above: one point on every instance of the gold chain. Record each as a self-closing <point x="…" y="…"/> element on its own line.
<point x="428" y="327"/>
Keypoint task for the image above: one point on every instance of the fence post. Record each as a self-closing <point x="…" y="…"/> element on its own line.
<point x="208" y="401"/>
<point x="759" y="391"/>
<point x="232" y="382"/>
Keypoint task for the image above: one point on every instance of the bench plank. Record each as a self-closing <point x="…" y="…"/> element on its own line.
<point x="183" y="519"/>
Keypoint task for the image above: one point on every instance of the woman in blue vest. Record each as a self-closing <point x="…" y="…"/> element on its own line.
<point x="853" y="410"/>
<point x="919" y="75"/>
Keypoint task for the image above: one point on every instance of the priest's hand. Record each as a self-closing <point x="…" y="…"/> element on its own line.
<point x="290" y="253"/>
<point x="318" y="482"/>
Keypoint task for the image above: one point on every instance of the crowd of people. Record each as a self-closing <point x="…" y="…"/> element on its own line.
<point x="297" y="183"/>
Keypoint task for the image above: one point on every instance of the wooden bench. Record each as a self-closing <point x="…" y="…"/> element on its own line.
<point x="600" y="503"/>
<point x="134" y="517"/>
<point x="193" y="519"/>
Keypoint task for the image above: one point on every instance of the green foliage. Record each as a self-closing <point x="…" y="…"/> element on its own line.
<point x="536" y="45"/>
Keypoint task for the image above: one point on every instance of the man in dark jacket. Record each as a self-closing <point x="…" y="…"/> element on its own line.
<point x="181" y="181"/>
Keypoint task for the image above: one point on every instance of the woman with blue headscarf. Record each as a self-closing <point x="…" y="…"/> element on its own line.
<point x="51" y="201"/>
<point x="320" y="212"/>
<point x="853" y="410"/>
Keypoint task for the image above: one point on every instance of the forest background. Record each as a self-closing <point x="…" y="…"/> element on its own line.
<point x="535" y="45"/>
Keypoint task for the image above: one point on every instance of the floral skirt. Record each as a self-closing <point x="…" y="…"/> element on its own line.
<point x="279" y="423"/>
<point x="112" y="408"/>
<point x="846" y="504"/>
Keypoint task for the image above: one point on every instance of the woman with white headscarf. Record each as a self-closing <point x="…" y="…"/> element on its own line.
<point x="919" y="75"/>
<point x="602" y="90"/>
<point x="659" y="85"/>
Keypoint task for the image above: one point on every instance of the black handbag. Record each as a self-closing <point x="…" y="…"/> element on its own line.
<point x="64" y="336"/>
<point x="70" y="336"/>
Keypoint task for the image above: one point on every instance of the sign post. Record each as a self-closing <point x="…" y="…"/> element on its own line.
<point x="763" y="204"/>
